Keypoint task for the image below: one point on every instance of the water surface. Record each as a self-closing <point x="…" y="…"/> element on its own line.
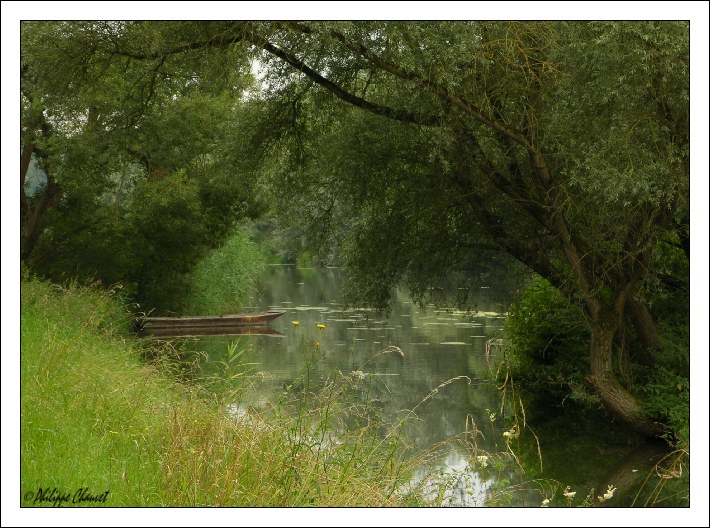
<point x="435" y="362"/>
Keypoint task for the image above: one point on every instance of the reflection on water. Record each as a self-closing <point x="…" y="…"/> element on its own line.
<point x="436" y="346"/>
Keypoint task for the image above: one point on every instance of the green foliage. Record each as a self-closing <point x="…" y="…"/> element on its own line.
<point x="140" y="150"/>
<point x="564" y="145"/>
<point x="410" y="204"/>
<point x="543" y="323"/>
<point x="666" y="398"/>
<point x="169" y="236"/>
<point x="549" y="348"/>
<point x="376" y="197"/>
<point x="665" y="390"/>
<point x="222" y="280"/>
<point x="146" y="232"/>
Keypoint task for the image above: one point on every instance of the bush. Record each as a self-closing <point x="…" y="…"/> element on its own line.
<point x="665" y="393"/>
<point x="549" y="347"/>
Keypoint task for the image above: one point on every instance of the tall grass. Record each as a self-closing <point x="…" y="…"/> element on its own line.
<point x="96" y="416"/>
<point x="223" y="279"/>
<point x="88" y="407"/>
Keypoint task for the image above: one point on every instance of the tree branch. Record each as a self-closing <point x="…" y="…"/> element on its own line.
<point x="429" y="85"/>
<point x="385" y="111"/>
<point x="547" y="193"/>
<point x="252" y="38"/>
<point x="221" y="42"/>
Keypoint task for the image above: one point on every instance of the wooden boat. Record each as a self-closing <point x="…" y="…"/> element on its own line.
<point x="206" y="321"/>
<point x="209" y="330"/>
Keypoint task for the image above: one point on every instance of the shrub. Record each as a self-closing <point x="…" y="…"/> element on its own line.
<point x="549" y="346"/>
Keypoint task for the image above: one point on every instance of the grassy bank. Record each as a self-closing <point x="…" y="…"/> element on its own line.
<point x="96" y="417"/>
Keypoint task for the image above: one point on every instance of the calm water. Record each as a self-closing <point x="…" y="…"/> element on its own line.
<point x="438" y="346"/>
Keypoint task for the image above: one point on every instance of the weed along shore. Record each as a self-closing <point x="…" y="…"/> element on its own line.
<point x="101" y="425"/>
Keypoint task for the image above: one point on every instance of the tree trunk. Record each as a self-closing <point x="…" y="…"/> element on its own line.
<point x="25" y="159"/>
<point x="645" y="328"/>
<point x="616" y="399"/>
<point x="31" y="215"/>
<point x="29" y="231"/>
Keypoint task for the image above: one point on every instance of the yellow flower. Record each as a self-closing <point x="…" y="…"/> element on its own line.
<point x="295" y="323"/>
<point x="320" y="326"/>
<point x="545" y="503"/>
<point x="483" y="460"/>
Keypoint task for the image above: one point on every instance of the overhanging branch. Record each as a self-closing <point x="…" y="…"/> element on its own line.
<point x="428" y="84"/>
<point x="385" y="111"/>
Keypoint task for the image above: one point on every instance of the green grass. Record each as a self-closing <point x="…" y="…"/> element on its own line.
<point x="95" y="415"/>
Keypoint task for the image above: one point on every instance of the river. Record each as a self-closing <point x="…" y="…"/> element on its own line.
<point x="434" y="368"/>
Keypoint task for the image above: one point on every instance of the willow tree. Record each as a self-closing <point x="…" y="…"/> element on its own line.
<point x="564" y="145"/>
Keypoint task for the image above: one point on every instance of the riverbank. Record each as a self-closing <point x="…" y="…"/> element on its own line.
<point x="101" y="427"/>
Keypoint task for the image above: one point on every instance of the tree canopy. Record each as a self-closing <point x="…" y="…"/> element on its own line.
<point x="141" y="178"/>
<point x="413" y="148"/>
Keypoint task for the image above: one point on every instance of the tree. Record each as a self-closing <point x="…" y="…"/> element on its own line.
<point x="140" y="178"/>
<point x="564" y="145"/>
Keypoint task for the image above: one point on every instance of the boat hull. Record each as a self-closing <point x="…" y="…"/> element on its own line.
<point x="261" y="330"/>
<point x="207" y="321"/>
